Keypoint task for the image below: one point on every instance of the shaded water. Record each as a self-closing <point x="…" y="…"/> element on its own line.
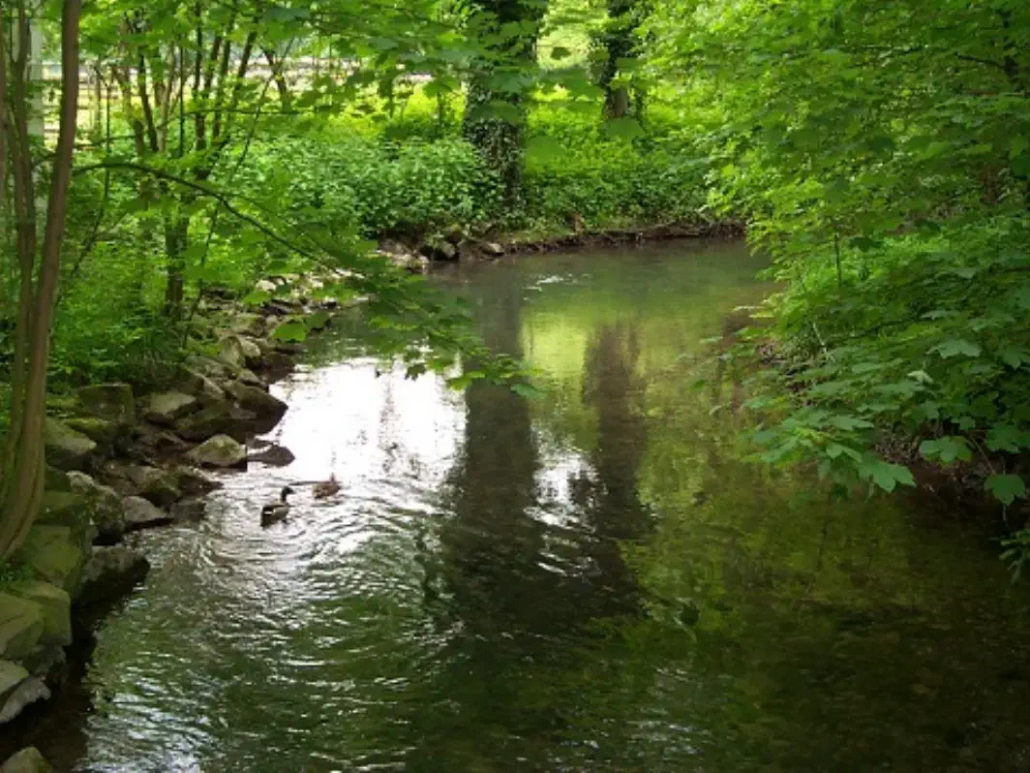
<point x="592" y="581"/>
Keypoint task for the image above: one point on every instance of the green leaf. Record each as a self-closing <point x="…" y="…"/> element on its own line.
<point x="1005" y="437"/>
<point x="291" y="331"/>
<point x="957" y="346"/>
<point x="946" y="449"/>
<point x="886" y="475"/>
<point x="1006" y="488"/>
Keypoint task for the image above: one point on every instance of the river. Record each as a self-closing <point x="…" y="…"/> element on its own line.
<point x="592" y="581"/>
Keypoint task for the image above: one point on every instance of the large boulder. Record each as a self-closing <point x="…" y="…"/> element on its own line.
<point x="114" y="402"/>
<point x="168" y="407"/>
<point x="219" y="419"/>
<point x="112" y="572"/>
<point x="28" y="760"/>
<point x="142" y="514"/>
<point x="268" y="408"/>
<point x="250" y="378"/>
<point x="154" y="485"/>
<point x="56" y="554"/>
<point x="21" y="627"/>
<point x="55" y="610"/>
<point x="219" y="451"/>
<point x="104" y="505"/>
<point x="67" y="449"/>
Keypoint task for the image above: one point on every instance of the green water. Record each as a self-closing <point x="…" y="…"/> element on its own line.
<point x="589" y="582"/>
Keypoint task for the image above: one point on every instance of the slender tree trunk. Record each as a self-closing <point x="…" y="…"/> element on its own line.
<point x="23" y="480"/>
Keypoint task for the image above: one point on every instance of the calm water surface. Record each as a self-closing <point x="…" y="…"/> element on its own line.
<point x="588" y="582"/>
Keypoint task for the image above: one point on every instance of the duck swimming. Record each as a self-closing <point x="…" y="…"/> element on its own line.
<point x="327" y="488"/>
<point x="273" y="512"/>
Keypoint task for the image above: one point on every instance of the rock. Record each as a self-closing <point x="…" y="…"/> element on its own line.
<point x="402" y="257"/>
<point x="142" y="514"/>
<point x="445" y="251"/>
<point x="11" y="675"/>
<point x="28" y="760"/>
<point x="104" y="504"/>
<point x="219" y="451"/>
<point x="55" y="607"/>
<point x="278" y="365"/>
<point x="209" y="368"/>
<point x="189" y="510"/>
<point x="232" y="353"/>
<point x="218" y="419"/>
<point x="56" y="480"/>
<point x="265" y="286"/>
<point x="21" y="627"/>
<point x="114" y="402"/>
<point x="100" y="431"/>
<point x="493" y="249"/>
<point x="25" y="694"/>
<point x="56" y="554"/>
<point x="203" y="387"/>
<point x="273" y="455"/>
<point x="252" y="352"/>
<point x="268" y="409"/>
<point x="66" y="449"/>
<point x="167" y="407"/>
<point x="252" y="325"/>
<point x="250" y="378"/>
<point x="194" y="482"/>
<point x="64" y="508"/>
<point x="157" y="486"/>
<point x="151" y="441"/>
<point x="454" y="234"/>
<point x="112" y="572"/>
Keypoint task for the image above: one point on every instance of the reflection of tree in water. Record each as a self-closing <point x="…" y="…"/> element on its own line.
<point x="609" y="499"/>
<point x="514" y="667"/>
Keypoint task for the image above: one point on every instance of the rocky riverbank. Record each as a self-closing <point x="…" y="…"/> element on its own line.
<point x="120" y="462"/>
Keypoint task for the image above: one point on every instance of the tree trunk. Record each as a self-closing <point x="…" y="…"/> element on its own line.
<point x="23" y="480"/>
<point x="618" y="40"/>
<point x="500" y="138"/>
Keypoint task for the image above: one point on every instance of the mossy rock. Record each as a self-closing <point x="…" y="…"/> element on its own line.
<point x="101" y="431"/>
<point x="11" y="675"/>
<point x="21" y="627"/>
<point x="55" y="606"/>
<point x="66" y="448"/>
<point x="104" y="505"/>
<point x="28" y="760"/>
<point x="219" y="451"/>
<point x="55" y="554"/>
<point x="64" y="508"/>
<point x="114" y="402"/>
<point x="154" y="485"/>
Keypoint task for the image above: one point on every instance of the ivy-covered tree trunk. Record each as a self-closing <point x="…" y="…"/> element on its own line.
<point x="21" y="484"/>
<point x="495" y="113"/>
<point x="620" y="45"/>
